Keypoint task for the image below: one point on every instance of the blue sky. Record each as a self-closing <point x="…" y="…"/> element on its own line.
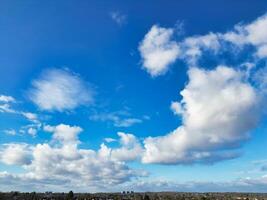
<point x="133" y="95"/>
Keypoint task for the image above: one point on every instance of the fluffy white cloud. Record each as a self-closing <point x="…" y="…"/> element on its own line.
<point x="64" y="133"/>
<point x="219" y="108"/>
<point x="62" y="162"/>
<point x="32" y="131"/>
<point x="60" y="90"/>
<point x="15" y="154"/>
<point x="130" y="149"/>
<point x="176" y="108"/>
<point x="158" y="51"/>
<point x="250" y="34"/>
<point x="193" y="46"/>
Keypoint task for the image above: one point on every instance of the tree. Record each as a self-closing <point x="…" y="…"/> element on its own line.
<point x="70" y="195"/>
<point x="146" y="197"/>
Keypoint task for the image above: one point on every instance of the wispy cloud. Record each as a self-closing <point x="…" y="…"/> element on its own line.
<point x="118" y="17"/>
<point x="118" y="119"/>
<point x="10" y="132"/>
<point x="60" y="90"/>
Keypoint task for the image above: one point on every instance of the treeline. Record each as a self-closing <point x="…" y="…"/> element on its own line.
<point x="131" y="196"/>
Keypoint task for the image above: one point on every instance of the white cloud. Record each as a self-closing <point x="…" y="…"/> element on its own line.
<point x="158" y="50"/>
<point x="59" y="90"/>
<point x="130" y="149"/>
<point x="193" y="46"/>
<point x="10" y="132"/>
<point x="5" y="104"/>
<point x="6" y="108"/>
<point x="32" y="131"/>
<point x="109" y="140"/>
<point x="176" y="108"/>
<point x="61" y="162"/>
<point x="118" y="119"/>
<point x="31" y="116"/>
<point x="218" y="110"/>
<point x="262" y="51"/>
<point x="6" y="99"/>
<point x="15" y="154"/>
<point x="65" y="134"/>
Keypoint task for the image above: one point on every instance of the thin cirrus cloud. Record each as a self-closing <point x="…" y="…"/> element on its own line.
<point x="118" y="18"/>
<point x="60" y="90"/>
<point x="6" y="106"/>
<point x="118" y="119"/>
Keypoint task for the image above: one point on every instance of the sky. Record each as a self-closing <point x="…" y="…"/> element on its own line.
<point x="133" y="95"/>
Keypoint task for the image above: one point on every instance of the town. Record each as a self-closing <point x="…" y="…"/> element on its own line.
<point x="130" y="195"/>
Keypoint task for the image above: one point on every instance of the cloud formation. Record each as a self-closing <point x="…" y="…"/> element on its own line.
<point x="119" y="18"/>
<point x="15" y="154"/>
<point x="60" y="90"/>
<point x="218" y="109"/>
<point x="130" y="149"/>
<point x="118" y="119"/>
<point x="62" y="162"/>
<point x="158" y="50"/>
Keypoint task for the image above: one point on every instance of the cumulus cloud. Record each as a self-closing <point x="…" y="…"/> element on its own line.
<point x="158" y="50"/>
<point x="15" y="154"/>
<point x="65" y="134"/>
<point x="32" y="131"/>
<point x="129" y="150"/>
<point x="62" y="162"/>
<point x="176" y="108"/>
<point x="59" y="90"/>
<point x="218" y="110"/>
